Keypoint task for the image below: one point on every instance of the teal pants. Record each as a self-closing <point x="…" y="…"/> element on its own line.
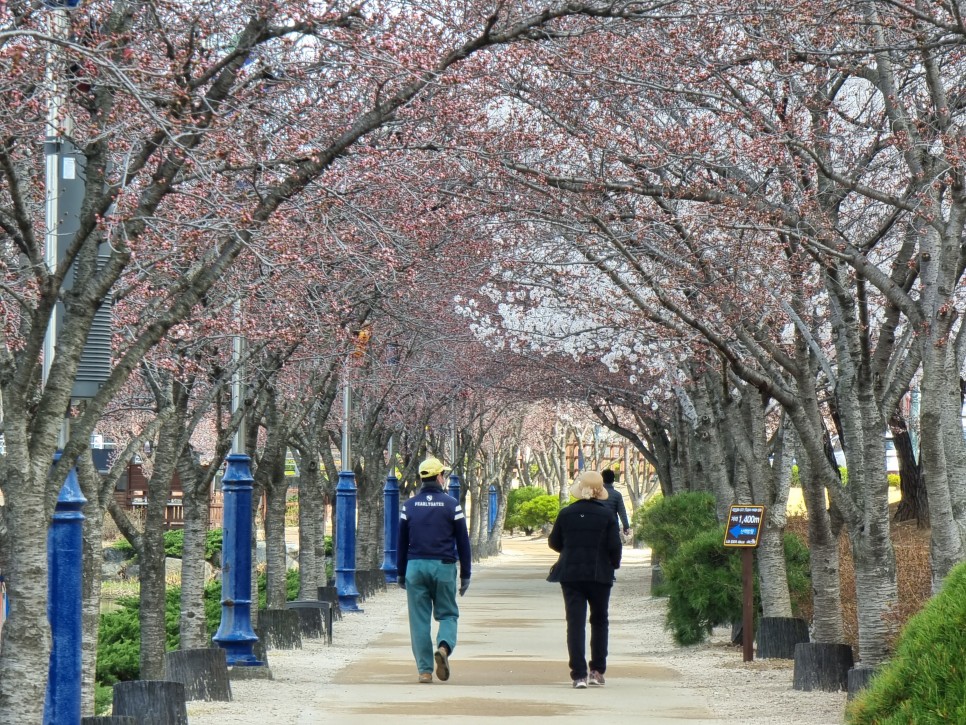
<point x="431" y="592"/>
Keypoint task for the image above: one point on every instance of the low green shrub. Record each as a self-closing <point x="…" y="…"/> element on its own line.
<point x="539" y="511"/>
<point x="703" y="582"/>
<point x="703" y="586"/>
<point x="103" y="699"/>
<point x="515" y="500"/>
<point x="119" y="636"/>
<point x="666" y="523"/>
<point x="925" y="681"/>
<point x="174" y="543"/>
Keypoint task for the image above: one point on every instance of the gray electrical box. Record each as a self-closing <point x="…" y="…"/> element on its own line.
<point x="95" y="363"/>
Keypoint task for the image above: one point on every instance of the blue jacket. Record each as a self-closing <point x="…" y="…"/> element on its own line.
<point x="432" y="526"/>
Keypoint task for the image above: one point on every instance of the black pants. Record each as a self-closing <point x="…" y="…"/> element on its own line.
<point x="577" y="596"/>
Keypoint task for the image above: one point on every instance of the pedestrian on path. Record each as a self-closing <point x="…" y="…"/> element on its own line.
<point x="432" y="536"/>
<point x="615" y="500"/>
<point x="586" y="536"/>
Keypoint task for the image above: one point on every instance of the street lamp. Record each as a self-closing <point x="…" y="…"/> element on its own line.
<point x="391" y="519"/>
<point x="345" y="533"/>
<point x="62" y="701"/>
<point x="235" y="634"/>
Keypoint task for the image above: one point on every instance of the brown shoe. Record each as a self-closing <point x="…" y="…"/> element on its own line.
<point x="425" y="678"/>
<point x="442" y="662"/>
<point x="595" y="678"/>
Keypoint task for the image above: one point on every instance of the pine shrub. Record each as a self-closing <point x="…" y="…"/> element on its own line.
<point x="703" y="582"/>
<point x="703" y="586"/>
<point x="664" y="524"/>
<point x="925" y="681"/>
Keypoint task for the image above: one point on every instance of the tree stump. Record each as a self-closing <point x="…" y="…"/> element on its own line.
<point x="777" y="637"/>
<point x="657" y="581"/>
<point x="859" y="678"/>
<point x="151" y="702"/>
<point x="822" y="666"/>
<point x="109" y="720"/>
<point x="279" y="629"/>
<point x="203" y="672"/>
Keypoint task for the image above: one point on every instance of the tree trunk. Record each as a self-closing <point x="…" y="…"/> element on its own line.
<point x="25" y="643"/>
<point x="195" y="503"/>
<point x="93" y="544"/>
<point x="914" y="505"/>
<point x="276" y="559"/>
<point x="151" y="557"/>
<point x="944" y="493"/>
<point x="310" y="524"/>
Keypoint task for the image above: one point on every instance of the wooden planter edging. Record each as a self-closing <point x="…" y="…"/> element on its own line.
<point x="203" y="672"/>
<point x="151" y="702"/>
<point x="777" y="637"/>
<point x="822" y="666"/>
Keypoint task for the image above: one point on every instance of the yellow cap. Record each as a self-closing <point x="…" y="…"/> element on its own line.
<point x="431" y="467"/>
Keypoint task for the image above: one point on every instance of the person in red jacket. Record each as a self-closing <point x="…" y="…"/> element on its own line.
<point x="588" y="540"/>
<point x="432" y="538"/>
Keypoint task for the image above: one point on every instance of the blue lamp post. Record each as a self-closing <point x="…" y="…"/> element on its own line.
<point x="454" y="486"/>
<point x="345" y="533"/>
<point x="491" y="511"/>
<point x="391" y="520"/>
<point x="64" y="576"/>
<point x="235" y="634"/>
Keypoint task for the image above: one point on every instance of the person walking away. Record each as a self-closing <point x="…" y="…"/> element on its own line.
<point x="432" y="537"/>
<point x="615" y="501"/>
<point x="585" y="535"/>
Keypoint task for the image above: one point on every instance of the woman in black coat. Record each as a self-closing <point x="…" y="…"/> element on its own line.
<point x="586" y="535"/>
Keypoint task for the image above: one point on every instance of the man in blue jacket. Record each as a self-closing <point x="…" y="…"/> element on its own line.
<point x="432" y="536"/>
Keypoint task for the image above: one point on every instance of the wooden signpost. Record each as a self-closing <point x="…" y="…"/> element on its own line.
<point x="743" y="531"/>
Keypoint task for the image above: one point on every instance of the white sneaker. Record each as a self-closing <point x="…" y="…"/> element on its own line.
<point x="580" y="684"/>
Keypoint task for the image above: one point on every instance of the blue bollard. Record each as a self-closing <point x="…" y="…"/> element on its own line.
<point x="492" y="509"/>
<point x="391" y="530"/>
<point x="454" y="486"/>
<point x="235" y="634"/>
<point x="64" y="576"/>
<point x="345" y="542"/>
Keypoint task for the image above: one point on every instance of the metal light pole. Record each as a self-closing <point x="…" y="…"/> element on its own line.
<point x="491" y="518"/>
<point x="454" y="481"/>
<point x="391" y="519"/>
<point x="345" y="535"/>
<point x="62" y="701"/>
<point x="235" y="634"/>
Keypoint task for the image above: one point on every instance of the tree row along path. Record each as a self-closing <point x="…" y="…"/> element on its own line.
<point x="510" y="664"/>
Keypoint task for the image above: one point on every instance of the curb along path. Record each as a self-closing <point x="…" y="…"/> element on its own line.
<point x="510" y="664"/>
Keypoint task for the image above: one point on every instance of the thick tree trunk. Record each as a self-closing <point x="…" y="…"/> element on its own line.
<point x="310" y="520"/>
<point x="813" y="469"/>
<point x="944" y="492"/>
<point x="93" y="544"/>
<point x="192" y="625"/>
<point x="25" y="643"/>
<point x="276" y="560"/>
<point x="151" y="557"/>
<point x="914" y="504"/>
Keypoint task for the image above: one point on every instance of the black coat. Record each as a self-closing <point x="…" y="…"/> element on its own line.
<point x="586" y="535"/>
